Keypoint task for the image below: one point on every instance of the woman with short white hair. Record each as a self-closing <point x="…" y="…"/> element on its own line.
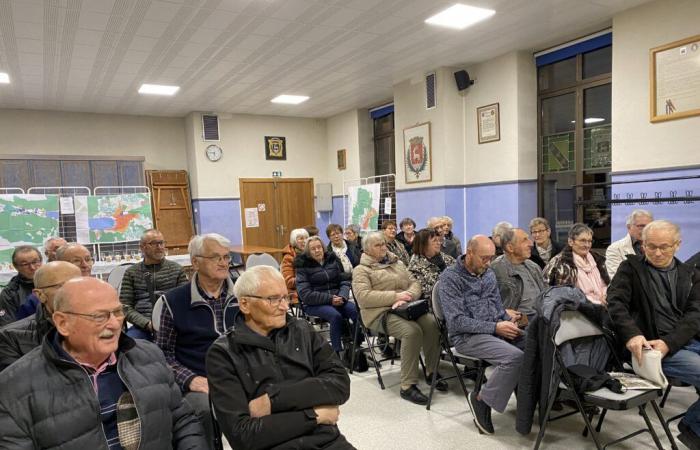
<point x="297" y="243"/>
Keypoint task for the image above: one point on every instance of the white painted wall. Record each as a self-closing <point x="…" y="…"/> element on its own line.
<point x="160" y="140"/>
<point x="243" y="142"/>
<point x="343" y="133"/>
<point x="637" y="143"/>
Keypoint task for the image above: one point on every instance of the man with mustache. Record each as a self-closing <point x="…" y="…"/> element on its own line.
<point x="91" y="387"/>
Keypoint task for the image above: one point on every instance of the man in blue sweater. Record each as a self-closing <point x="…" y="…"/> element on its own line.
<point x="478" y="326"/>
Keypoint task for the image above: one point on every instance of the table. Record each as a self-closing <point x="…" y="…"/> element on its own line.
<point x="247" y="250"/>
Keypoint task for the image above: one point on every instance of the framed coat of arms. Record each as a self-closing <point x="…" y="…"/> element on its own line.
<point x="275" y="147"/>
<point x="417" y="153"/>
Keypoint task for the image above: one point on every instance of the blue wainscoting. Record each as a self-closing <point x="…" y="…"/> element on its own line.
<point x="685" y="214"/>
<point x="220" y="215"/>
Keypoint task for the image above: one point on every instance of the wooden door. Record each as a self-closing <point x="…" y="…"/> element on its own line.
<point x="281" y="204"/>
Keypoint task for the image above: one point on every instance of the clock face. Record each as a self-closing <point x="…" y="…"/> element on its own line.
<point x="214" y="152"/>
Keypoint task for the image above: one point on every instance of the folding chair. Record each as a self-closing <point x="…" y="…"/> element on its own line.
<point x="574" y="325"/>
<point x="261" y="259"/>
<point x="452" y="354"/>
<point x="117" y="274"/>
<point x="218" y="439"/>
<point x="672" y="382"/>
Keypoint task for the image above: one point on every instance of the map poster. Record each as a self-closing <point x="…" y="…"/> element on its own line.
<point x="364" y="206"/>
<point x="112" y="218"/>
<point x="26" y="219"/>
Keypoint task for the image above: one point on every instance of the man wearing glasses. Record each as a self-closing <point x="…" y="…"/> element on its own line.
<point x="479" y="326"/>
<point x="77" y="255"/>
<point x="26" y="260"/>
<point x="274" y="381"/>
<point x="654" y="302"/>
<point x="631" y="244"/>
<point x="190" y="317"/>
<point x="145" y="281"/>
<point x="18" y="338"/>
<point x="90" y="387"/>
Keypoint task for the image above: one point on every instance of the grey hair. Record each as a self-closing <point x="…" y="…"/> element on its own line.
<point x="307" y="252"/>
<point x="354" y="227"/>
<point x="371" y="239"/>
<point x="295" y="234"/>
<point x="539" y="221"/>
<point x="578" y="229"/>
<point x="500" y="228"/>
<point x="62" y="250"/>
<point x="196" y="245"/>
<point x="150" y="230"/>
<point x="662" y="225"/>
<point x="507" y="237"/>
<point x="638" y="213"/>
<point x="448" y="219"/>
<point x="249" y="283"/>
<point x="50" y="239"/>
<point x="432" y="221"/>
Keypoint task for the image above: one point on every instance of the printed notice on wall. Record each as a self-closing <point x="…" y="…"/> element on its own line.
<point x="66" y="204"/>
<point x="387" y="205"/>
<point x="251" y="218"/>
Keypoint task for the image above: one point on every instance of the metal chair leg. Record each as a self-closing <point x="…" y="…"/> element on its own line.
<point x="650" y="427"/>
<point x="663" y="399"/>
<point x="664" y="424"/>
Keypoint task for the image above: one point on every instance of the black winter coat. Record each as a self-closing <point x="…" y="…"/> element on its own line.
<point x="19" y="338"/>
<point x="316" y="283"/>
<point x="53" y="405"/>
<point x="631" y="303"/>
<point x="535" y="255"/>
<point x="12" y="297"/>
<point x="296" y="367"/>
<point x="353" y="251"/>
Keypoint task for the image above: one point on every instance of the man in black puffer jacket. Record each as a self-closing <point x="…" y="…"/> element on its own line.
<point x="274" y="382"/>
<point x="19" y="338"/>
<point x="90" y="387"/>
<point x="26" y="260"/>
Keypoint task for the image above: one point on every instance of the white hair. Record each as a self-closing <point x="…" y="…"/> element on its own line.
<point x="662" y="225"/>
<point x="249" y="283"/>
<point x="638" y="213"/>
<point x="500" y="228"/>
<point x="196" y="244"/>
<point x="295" y="234"/>
<point x="372" y="238"/>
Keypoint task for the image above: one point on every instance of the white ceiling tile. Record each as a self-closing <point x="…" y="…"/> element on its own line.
<point x="28" y="30"/>
<point x="91" y="20"/>
<point x="102" y="6"/>
<point x="343" y="17"/>
<point x="136" y="57"/>
<point x="143" y="43"/>
<point x="82" y="35"/>
<point x="192" y="51"/>
<point x="219" y="20"/>
<point x="271" y="27"/>
<point x="320" y="33"/>
<point x="27" y="12"/>
<point x="161" y="11"/>
<point x="204" y="36"/>
<point x="30" y="46"/>
<point x="151" y="28"/>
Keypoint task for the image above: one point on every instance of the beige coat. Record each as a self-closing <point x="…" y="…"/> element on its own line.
<point x="375" y="285"/>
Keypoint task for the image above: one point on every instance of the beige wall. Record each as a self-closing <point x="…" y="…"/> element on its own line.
<point x="637" y="143"/>
<point x="343" y="133"/>
<point x="161" y="141"/>
<point x="243" y="142"/>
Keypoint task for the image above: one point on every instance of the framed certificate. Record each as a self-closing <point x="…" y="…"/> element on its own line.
<point x="488" y="123"/>
<point x="675" y="80"/>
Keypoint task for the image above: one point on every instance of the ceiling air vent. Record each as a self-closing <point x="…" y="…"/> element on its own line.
<point x="430" y="91"/>
<point x="210" y="127"/>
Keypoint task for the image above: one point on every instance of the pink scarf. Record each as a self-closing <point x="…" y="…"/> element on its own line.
<point x="589" y="279"/>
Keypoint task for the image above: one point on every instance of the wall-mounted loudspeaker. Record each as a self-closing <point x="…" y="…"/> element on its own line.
<point x="463" y="80"/>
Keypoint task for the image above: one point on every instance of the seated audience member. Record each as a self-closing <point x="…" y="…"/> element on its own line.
<point x="348" y="254"/>
<point x="694" y="260"/>
<point x="92" y="387"/>
<point x="26" y="260"/>
<point x="323" y="291"/>
<point x="18" y="338"/>
<point x="51" y="245"/>
<point x="394" y="246"/>
<point x="381" y="283"/>
<point x="407" y="234"/>
<point x="143" y="282"/>
<point x="428" y="262"/>
<point x="312" y="230"/>
<point x="631" y="244"/>
<point x="192" y="316"/>
<point x="578" y="266"/>
<point x="297" y="243"/>
<point x="496" y="234"/>
<point x="479" y="326"/>
<point x="654" y="302"/>
<point x="352" y="235"/>
<point x="545" y="247"/>
<point x="451" y="245"/>
<point x="519" y="279"/>
<point x="275" y="383"/>
<point x="77" y="255"/>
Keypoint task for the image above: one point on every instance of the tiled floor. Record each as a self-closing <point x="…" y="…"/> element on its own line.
<point x="380" y="419"/>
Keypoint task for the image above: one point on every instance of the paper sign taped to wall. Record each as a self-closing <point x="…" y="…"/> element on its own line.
<point x="251" y="218"/>
<point x="387" y="205"/>
<point x="261" y="207"/>
<point x="66" y="205"/>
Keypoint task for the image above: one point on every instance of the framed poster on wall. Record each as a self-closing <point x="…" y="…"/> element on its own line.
<point x="489" y="123"/>
<point x="675" y="80"/>
<point x="417" y="153"/>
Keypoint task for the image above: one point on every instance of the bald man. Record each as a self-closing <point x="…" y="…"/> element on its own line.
<point x="480" y="327"/>
<point x="19" y="338"/>
<point x="137" y="406"/>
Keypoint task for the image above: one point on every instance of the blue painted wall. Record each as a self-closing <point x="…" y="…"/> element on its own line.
<point x="686" y="215"/>
<point x="221" y="216"/>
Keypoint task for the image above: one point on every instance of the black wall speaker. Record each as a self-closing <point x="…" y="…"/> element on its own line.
<point x="463" y="80"/>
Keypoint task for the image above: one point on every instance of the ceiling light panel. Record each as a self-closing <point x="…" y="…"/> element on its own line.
<point x="290" y="99"/>
<point x="158" y="89"/>
<point x="460" y="16"/>
<point x="4" y="78"/>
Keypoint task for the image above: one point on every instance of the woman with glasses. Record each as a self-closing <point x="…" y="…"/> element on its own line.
<point x="428" y="262"/>
<point x="322" y="290"/>
<point x="297" y="243"/>
<point x="577" y="266"/>
<point x="348" y="253"/>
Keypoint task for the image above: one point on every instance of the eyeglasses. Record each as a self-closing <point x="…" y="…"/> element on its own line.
<point x="487" y="258"/>
<point x="217" y="258"/>
<point x="273" y="300"/>
<point x="51" y="285"/>
<point x="36" y="262"/>
<point x="78" y="261"/>
<point x="664" y="248"/>
<point x="156" y="243"/>
<point x="100" y="317"/>
<point x="584" y="241"/>
<point x="534" y="232"/>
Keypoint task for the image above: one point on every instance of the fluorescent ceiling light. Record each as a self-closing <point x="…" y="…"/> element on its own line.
<point x="158" y="89"/>
<point x="290" y="99"/>
<point x="460" y="16"/>
<point x="4" y="78"/>
<point x="591" y="120"/>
